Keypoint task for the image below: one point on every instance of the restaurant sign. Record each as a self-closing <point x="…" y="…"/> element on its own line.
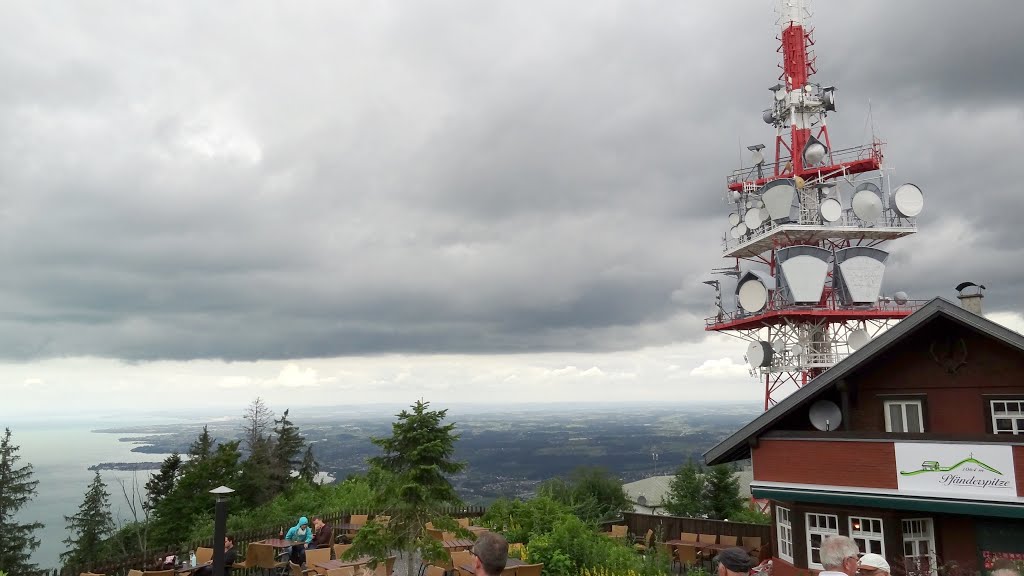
<point x="973" y="471"/>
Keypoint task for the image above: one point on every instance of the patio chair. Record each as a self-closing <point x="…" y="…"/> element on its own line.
<point x="708" y="538"/>
<point x="646" y="543"/>
<point x="262" y="556"/>
<point x="461" y="558"/>
<point x="449" y="536"/>
<point x="688" y="536"/>
<point x="346" y="571"/>
<point x="529" y="570"/>
<point x="315" y="556"/>
<point x="618" y="531"/>
<point x="359" y="519"/>
<point x="668" y="551"/>
<point x="434" y="571"/>
<point x="387" y="568"/>
<point x="686" y="555"/>
<point x="435" y="534"/>
<point x="753" y="543"/>
<point x="135" y="573"/>
<point x="340" y="549"/>
<point x="204" y="555"/>
<point x="509" y="571"/>
<point x="463" y="522"/>
<point x="727" y="540"/>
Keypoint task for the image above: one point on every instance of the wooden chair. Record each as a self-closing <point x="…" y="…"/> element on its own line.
<point x="448" y="536"/>
<point x="316" y="555"/>
<point x="435" y="534"/>
<point x="708" y="538"/>
<point x="686" y="555"/>
<point x="509" y="571"/>
<point x="263" y="556"/>
<point x="135" y="573"/>
<point x="688" y="536"/>
<point x="462" y="557"/>
<point x="346" y="571"/>
<point x="727" y="540"/>
<point x="463" y="522"/>
<point x="648" y="541"/>
<point x="529" y="570"/>
<point x="387" y="568"/>
<point x="359" y="519"/>
<point x="668" y="551"/>
<point x="251" y="558"/>
<point x="204" y="555"/>
<point x="618" y="531"/>
<point x="340" y="549"/>
<point x="434" y="571"/>
<point x="429" y="525"/>
<point x="752" y="542"/>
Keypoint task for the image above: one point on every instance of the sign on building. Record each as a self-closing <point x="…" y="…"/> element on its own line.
<point x="971" y="471"/>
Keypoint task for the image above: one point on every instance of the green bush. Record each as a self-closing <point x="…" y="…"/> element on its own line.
<point x="519" y="520"/>
<point x="750" y="516"/>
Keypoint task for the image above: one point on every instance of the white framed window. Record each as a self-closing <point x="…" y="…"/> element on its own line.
<point x="819" y="526"/>
<point x="784" y="528"/>
<point x="867" y="533"/>
<point x="904" y="416"/>
<point x="919" y="546"/>
<point x="1007" y="416"/>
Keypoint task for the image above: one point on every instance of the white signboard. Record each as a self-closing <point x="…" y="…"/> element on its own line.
<point x="972" y="471"/>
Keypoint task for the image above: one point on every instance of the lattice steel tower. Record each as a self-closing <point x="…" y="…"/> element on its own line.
<point x="804" y="233"/>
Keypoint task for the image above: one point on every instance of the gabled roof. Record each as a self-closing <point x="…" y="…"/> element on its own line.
<point x="737" y="447"/>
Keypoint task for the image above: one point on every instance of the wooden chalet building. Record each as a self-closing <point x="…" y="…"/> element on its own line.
<point x="922" y="468"/>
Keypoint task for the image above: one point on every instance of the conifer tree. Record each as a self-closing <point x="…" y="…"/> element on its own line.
<point x="722" y="492"/>
<point x="286" y="452"/>
<point x="309" y="468"/>
<point x="161" y="483"/>
<point x="686" y="492"/>
<point x="17" y="540"/>
<point x="90" y="527"/>
<point x="255" y="486"/>
<point x="257" y="417"/>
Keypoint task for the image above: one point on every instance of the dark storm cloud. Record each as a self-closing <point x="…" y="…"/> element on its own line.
<point x="266" y="181"/>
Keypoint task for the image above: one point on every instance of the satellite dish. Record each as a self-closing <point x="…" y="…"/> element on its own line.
<point x="752" y="219"/>
<point x="735" y="232"/>
<point x="858" y="338"/>
<point x="814" y="151"/>
<point x="831" y="210"/>
<point x="867" y="205"/>
<point x="778" y="198"/>
<point x="796" y="350"/>
<point x="907" y="200"/>
<point x="778" y="345"/>
<point x="780" y="95"/>
<point x="759" y="354"/>
<point x="825" y="415"/>
<point x="768" y="116"/>
<point x="735" y="196"/>
<point x="741" y="229"/>
<point x="758" y="158"/>
<point x="752" y="294"/>
<point x="734" y="219"/>
<point x="828" y="98"/>
<point x="900" y="298"/>
<point x="765" y="214"/>
<point x="750" y="204"/>
<point x="804" y="270"/>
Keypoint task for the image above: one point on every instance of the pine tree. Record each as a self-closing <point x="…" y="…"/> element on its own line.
<point x="309" y="468"/>
<point x="89" y="527"/>
<point x="161" y="483"/>
<point x="686" y="492"/>
<point x="257" y="417"/>
<point x="17" y="541"/>
<point x="722" y="492"/>
<point x="201" y="449"/>
<point x="413" y="486"/>
<point x="287" y="449"/>
<point x="255" y="485"/>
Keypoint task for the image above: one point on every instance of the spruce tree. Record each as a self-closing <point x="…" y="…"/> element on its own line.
<point x="90" y="527"/>
<point x="413" y="487"/>
<point x="255" y="486"/>
<point x="257" y="417"/>
<point x="309" y="468"/>
<point x="17" y="540"/>
<point x="161" y="483"/>
<point x="287" y="449"/>
<point x="722" y="492"/>
<point x="686" y="492"/>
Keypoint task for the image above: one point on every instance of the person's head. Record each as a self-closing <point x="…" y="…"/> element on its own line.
<point x="229" y="542"/>
<point x="839" y="553"/>
<point x="490" y="553"/>
<point x="733" y="561"/>
<point x="303" y="523"/>
<point x="317" y="522"/>
<point x="872" y="565"/>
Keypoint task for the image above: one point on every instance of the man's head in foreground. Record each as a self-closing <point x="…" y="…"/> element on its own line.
<point x="489" y="554"/>
<point x="839" y="554"/>
<point x="733" y="561"/>
<point x="872" y="565"/>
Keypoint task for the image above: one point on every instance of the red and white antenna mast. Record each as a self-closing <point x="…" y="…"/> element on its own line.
<point x="804" y="236"/>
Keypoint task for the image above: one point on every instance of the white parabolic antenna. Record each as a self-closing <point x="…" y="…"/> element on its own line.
<point x="796" y="350"/>
<point x="831" y="210"/>
<point x="778" y="345"/>
<point x="759" y="353"/>
<point x="867" y="205"/>
<point x="765" y="215"/>
<point x="752" y="295"/>
<point x="752" y="218"/>
<point x="804" y="269"/>
<point x="900" y="297"/>
<point x="858" y="338"/>
<point x="907" y="200"/>
<point x="825" y="415"/>
<point x="778" y="197"/>
<point x="741" y="229"/>
<point x="735" y="233"/>
<point x="734" y="219"/>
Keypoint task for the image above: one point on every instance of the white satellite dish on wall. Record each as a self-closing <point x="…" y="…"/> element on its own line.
<point x="804" y="270"/>
<point x="735" y="233"/>
<point x="752" y="290"/>
<point x="741" y="229"/>
<point x="778" y="198"/>
<point x="907" y="200"/>
<point x="734" y="219"/>
<point x="900" y="297"/>
<point x="831" y="210"/>
<point x="814" y="152"/>
<point x="867" y="205"/>
<point x="752" y="218"/>
<point x="825" y="415"/>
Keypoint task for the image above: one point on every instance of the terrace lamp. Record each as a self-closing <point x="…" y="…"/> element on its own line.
<point x="220" y="524"/>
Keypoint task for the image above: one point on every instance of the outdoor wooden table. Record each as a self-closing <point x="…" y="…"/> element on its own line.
<point x="457" y="544"/>
<point x="510" y="563"/>
<point x="280" y="543"/>
<point x="190" y="569"/>
<point x="349" y="527"/>
<point x="718" y="547"/>
<point x="335" y="564"/>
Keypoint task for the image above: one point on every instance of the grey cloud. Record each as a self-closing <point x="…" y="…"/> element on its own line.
<point x="259" y="181"/>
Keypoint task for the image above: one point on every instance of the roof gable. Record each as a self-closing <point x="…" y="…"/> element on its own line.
<point x="737" y="446"/>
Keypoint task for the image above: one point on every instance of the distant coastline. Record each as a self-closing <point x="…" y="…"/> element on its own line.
<point x="125" y="466"/>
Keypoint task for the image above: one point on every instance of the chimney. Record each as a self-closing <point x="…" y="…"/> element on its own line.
<point x="970" y="295"/>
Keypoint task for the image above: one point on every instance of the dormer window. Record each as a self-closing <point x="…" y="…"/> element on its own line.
<point x="904" y="416"/>
<point x="1007" y="416"/>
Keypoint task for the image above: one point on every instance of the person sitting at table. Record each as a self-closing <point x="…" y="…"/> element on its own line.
<point x="872" y="565"/>
<point x="230" y="557"/>
<point x="324" y="535"/>
<point x="490" y="552"/>
<point x="301" y="532"/>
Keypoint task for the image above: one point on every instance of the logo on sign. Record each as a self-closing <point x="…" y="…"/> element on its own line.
<point x="967" y="465"/>
<point x="976" y="471"/>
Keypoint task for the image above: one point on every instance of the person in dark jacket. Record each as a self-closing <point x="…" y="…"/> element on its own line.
<point x="230" y="557"/>
<point x="323" y="535"/>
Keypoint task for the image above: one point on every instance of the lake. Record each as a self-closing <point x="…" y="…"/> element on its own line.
<point x="60" y="454"/>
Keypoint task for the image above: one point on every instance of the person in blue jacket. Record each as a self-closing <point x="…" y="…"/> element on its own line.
<point x="301" y="532"/>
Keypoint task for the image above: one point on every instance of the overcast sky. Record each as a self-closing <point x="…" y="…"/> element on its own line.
<point x="455" y="199"/>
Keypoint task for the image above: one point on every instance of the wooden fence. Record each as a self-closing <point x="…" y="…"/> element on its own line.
<point x="120" y="566"/>
<point x="670" y="527"/>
